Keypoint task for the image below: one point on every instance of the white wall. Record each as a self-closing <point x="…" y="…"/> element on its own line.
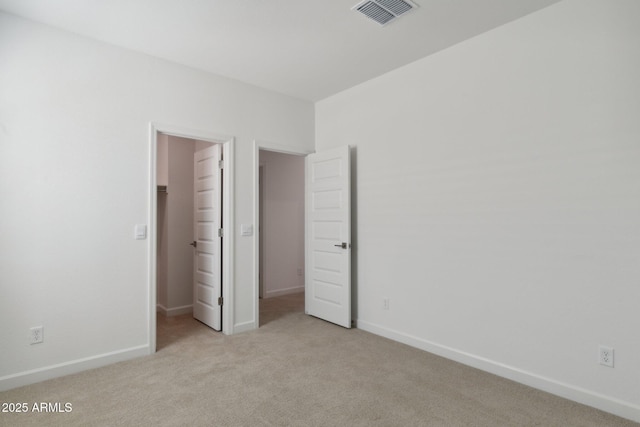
<point x="498" y="200"/>
<point x="75" y="179"/>
<point x="283" y="217"/>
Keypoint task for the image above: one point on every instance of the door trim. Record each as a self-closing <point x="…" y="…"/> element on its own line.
<point x="268" y="146"/>
<point x="228" y="151"/>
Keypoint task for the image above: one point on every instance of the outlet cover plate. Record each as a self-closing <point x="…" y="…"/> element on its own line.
<point x="36" y="335"/>
<point x="605" y="356"/>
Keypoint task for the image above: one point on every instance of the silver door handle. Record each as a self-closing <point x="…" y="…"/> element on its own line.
<point x="343" y="245"/>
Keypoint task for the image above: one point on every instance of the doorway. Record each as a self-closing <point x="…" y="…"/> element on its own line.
<point x="280" y="204"/>
<point x="158" y="211"/>
<point x="175" y="226"/>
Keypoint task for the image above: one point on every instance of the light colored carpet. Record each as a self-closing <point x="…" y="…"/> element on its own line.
<point x="294" y="370"/>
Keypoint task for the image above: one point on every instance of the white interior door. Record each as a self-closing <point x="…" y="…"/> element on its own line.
<point x="328" y="236"/>
<point x="207" y="289"/>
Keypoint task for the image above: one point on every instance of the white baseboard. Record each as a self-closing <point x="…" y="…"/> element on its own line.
<point x="175" y="311"/>
<point x="243" y="327"/>
<point x="286" y="291"/>
<point x="54" y="371"/>
<point x="577" y="394"/>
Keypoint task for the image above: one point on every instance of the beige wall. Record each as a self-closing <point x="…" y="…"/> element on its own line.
<point x="283" y="217"/>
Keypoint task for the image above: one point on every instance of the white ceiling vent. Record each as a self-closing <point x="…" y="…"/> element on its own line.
<point x="384" y="11"/>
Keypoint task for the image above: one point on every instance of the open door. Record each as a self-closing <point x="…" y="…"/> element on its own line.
<point x="328" y="236"/>
<point x="207" y="289"/>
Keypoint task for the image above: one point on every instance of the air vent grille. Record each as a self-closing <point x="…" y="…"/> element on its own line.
<point x="375" y="12"/>
<point x="397" y="7"/>
<point x="384" y="11"/>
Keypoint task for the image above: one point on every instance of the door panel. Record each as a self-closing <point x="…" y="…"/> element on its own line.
<point x="207" y="221"/>
<point x="328" y="236"/>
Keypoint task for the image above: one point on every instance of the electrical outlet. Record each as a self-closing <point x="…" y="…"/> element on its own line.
<point x="36" y="335"/>
<point x="385" y="303"/>
<point x="299" y="272"/>
<point x="605" y="356"/>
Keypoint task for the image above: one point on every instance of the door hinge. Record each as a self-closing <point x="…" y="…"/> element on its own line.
<point x="221" y="164"/>
<point x="220" y="300"/>
<point x="220" y="232"/>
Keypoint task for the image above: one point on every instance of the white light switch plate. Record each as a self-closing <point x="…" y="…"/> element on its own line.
<point x="246" y="229"/>
<point x="140" y="232"/>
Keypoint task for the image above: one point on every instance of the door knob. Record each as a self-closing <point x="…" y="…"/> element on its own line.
<point x="194" y="244"/>
<point x="343" y="245"/>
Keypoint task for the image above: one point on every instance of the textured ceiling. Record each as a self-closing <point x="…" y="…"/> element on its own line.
<point x="303" y="48"/>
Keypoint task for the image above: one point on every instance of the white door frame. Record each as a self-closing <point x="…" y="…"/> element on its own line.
<point x="228" y="148"/>
<point x="257" y="146"/>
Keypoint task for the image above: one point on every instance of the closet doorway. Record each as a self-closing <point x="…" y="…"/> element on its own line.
<point x="179" y="224"/>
